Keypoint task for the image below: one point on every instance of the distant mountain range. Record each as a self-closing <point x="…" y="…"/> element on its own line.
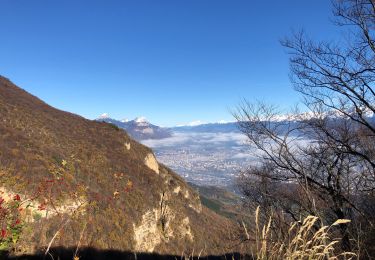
<point x="209" y="128"/>
<point x="139" y="128"/>
<point x="281" y="122"/>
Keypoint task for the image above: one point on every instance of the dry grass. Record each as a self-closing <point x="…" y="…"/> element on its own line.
<point x="303" y="241"/>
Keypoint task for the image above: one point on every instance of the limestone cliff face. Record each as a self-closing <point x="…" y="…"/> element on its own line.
<point x="168" y="221"/>
<point x="109" y="190"/>
<point x="160" y="225"/>
<point x="150" y="162"/>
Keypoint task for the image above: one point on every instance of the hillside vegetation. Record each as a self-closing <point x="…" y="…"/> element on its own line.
<point x="83" y="183"/>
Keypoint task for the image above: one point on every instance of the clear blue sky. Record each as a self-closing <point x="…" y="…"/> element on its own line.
<point x="172" y="61"/>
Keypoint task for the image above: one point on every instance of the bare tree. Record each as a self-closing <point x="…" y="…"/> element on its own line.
<point x="333" y="173"/>
<point x="340" y="77"/>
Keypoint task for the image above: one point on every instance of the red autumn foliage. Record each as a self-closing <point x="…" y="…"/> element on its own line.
<point x="17" y="197"/>
<point x="3" y="233"/>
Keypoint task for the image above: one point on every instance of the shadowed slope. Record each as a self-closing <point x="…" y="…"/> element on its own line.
<point x="93" y="254"/>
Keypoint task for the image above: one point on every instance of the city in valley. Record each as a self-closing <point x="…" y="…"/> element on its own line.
<point x="204" y="158"/>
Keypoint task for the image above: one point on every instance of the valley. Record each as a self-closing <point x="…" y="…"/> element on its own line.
<point x="207" y="154"/>
<point x="204" y="158"/>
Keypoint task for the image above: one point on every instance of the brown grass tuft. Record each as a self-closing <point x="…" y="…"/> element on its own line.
<point x="303" y="241"/>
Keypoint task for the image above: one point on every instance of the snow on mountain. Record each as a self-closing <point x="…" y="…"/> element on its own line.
<point x="199" y="122"/>
<point x="193" y="123"/>
<point x="141" y="129"/>
<point x="138" y="128"/>
<point x="293" y="117"/>
<point x="104" y="115"/>
<point x="141" y="119"/>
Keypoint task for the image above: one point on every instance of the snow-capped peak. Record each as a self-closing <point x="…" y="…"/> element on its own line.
<point x="125" y="120"/>
<point x="193" y="123"/>
<point x="141" y="119"/>
<point x="293" y="117"/>
<point x="104" y="115"/>
<point x="199" y="122"/>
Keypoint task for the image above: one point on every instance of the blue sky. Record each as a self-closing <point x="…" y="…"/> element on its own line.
<point x="172" y="61"/>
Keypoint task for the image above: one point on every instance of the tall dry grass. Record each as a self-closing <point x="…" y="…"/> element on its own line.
<point x="303" y="241"/>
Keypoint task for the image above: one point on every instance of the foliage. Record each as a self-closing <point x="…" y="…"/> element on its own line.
<point x="10" y="222"/>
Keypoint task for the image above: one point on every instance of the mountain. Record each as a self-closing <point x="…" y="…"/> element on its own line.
<point x="283" y="123"/>
<point x="209" y="128"/>
<point x="82" y="183"/>
<point x="231" y="127"/>
<point x="139" y="128"/>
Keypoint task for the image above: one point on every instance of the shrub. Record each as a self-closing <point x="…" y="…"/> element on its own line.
<point x="10" y="222"/>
